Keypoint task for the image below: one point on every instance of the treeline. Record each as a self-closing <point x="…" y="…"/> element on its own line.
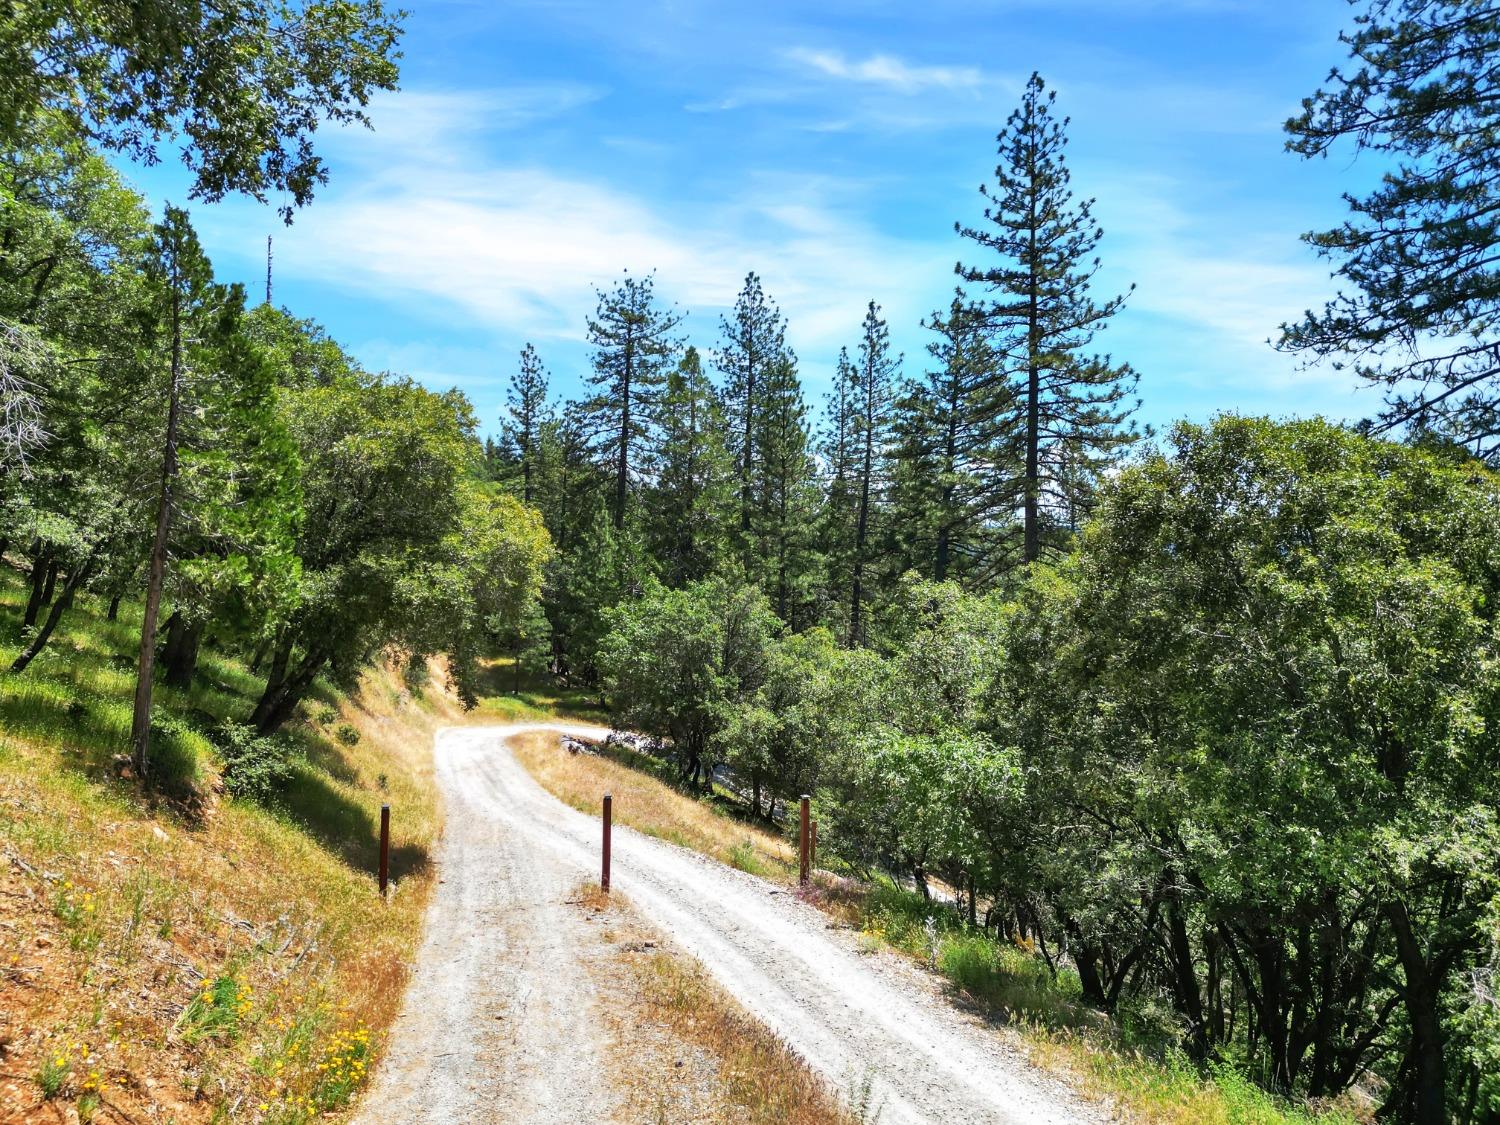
<point x="233" y="468"/>
<point x="679" y="464"/>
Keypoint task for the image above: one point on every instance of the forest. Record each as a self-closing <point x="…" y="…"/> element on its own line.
<point x="1207" y="716"/>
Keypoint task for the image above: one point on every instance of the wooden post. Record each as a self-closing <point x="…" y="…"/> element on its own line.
<point x="385" y="847"/>
<point x="608" y="817"/>
<point x="806" y="841"/>
<point x="813" y="846"/>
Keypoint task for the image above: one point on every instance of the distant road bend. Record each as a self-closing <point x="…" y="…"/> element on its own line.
<point x="499" y="1023"/>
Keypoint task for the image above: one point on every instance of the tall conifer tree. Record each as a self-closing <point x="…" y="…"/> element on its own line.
<point x="786" y="489"/>
<point x="633" y="347"/>
<point x="692" y="517"/>
<point x="1041" y="317"/>
<point x="957" y="453"/>
<point x="840" y="468"/>
<point x="875" y="373"/>
<point x="754" y="342"/>
<point x="528" y="411"/>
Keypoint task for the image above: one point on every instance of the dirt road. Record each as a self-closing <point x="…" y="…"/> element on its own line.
<point x="500" y="1023"/>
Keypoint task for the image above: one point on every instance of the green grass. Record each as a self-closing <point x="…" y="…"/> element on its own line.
<point x="538" y="698"/>
<point x="1135" y="1062"/>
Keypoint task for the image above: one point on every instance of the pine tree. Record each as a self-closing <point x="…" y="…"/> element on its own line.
<point x="1041" y="318"/>
<point x="569" y="485"/>
<point x="528" y="411"/>
<point x="786" y="488"/>
<point x="875" y="373"/>
<point x="958" y="451"/>
<point x="839" y="468"/>
<point x="754" y="342"/>
<point x="1417" y="252"/>
<point x="633" y="347"/>
<point x="691" y="508"/>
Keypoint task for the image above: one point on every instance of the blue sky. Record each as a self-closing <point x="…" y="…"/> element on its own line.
<point x="537" y="149"/>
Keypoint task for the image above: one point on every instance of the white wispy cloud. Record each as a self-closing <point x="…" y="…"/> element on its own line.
<point x="888" y="71"/>
<point x="451" y="229"/>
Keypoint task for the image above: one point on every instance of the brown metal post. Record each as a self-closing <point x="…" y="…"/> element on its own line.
<point x="608" y="817"/>
<point x="813" y="847"/>
<point x="806" y="870"/>
<point x="385" y="847"/>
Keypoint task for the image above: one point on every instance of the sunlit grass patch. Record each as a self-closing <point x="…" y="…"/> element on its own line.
<point x="648" y="805"/>
<point x="762" y="1080"/>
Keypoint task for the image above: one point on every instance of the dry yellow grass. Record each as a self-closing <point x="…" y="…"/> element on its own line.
<point x="683" y="1049"/>
<point x="238" y="968"/>
<point x="648" y="806"/>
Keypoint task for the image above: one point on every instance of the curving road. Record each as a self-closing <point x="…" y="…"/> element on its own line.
<point x="500" y="1024"/>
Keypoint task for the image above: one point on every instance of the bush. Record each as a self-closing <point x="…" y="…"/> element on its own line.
<point x="254" y="767"/>
<point x="346" y="734"/>
<point x="326" y="715"/>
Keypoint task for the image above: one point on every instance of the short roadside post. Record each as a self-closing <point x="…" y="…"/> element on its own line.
<point x="604" y="870"/>
<point x="806" y="842"/>
<point x="812" y="848"/>
<point x="385" y="847"/>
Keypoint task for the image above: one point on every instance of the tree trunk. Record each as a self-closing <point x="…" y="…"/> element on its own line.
<point x="747" y="460"/>
<point x="622" y="470"/>
<point x="40" y="562"/>
<point x="51" y="585"/>
<point x="1032" y="536"/>
<point x="114" y="609"/>
<point x="180" y="654"/>
<point x="1428" y="1074"/>
<point x="862" y="525"/>
<point x="1185" y="977"/>
<point x="281" y="697"/>
<point x="140" y="720"/>
<point x="75" y="579"/>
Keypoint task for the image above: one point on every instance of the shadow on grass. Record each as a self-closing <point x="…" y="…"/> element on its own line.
<point x="320" y="755"/>
<point x="344" y="827"/>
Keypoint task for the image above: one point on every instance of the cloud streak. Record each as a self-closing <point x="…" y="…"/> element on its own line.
<point x="888" y="71"/>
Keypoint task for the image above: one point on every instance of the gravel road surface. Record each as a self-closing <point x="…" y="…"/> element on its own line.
<point x="500" y="1022"/>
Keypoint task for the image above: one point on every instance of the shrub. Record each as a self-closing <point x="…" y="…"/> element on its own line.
<point x="346" y="734"/>
<point x="326" y="715"/>
<point x="254" y="766"/>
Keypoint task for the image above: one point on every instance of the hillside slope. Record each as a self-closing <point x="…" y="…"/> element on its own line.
<point x="198" y="957"/>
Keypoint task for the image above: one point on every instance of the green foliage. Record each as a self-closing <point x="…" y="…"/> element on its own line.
<point x="244" y="91"/>
<point x="690" y="513"/>
<point x="1261" y="694"/>
<point x="633" y="349"/>
<point x="53" y="1075"/>
<point x="1416" y="252"/>
<point x="255" y="768"/>
<point x="346" y="734"/>
<point x="216" y="1009"/>
<point x="1070" y="408"/>
<point x="681" y="664"/>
